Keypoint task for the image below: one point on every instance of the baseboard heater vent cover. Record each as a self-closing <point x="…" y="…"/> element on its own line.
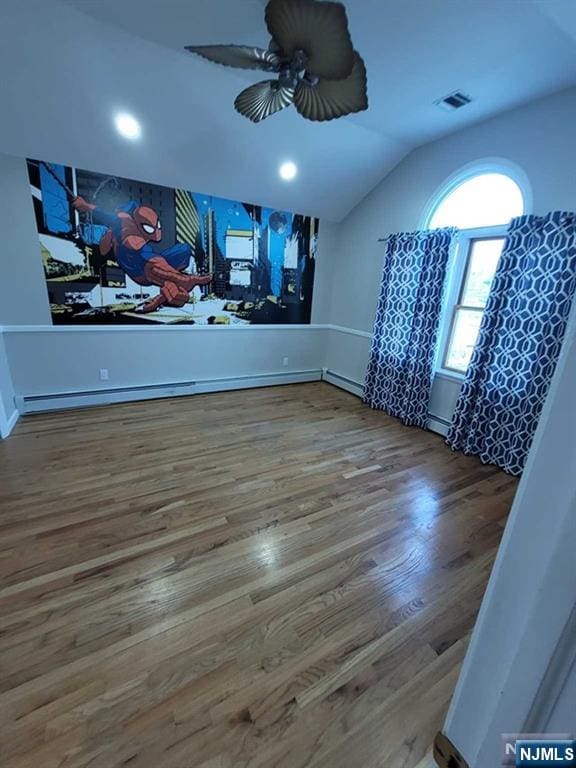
<point x="343" y="382"/>
<point x="62" y="400"/>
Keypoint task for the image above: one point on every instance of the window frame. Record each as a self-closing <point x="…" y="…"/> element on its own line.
<point x="458" y="263"/>
<point x="458" y="270"/>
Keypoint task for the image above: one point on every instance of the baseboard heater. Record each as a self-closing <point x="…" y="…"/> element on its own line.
<point x="438" y="424"/>
<point x="79" y="399"/>
<point x="354" y="387"/>
<point x="434" y="424"/>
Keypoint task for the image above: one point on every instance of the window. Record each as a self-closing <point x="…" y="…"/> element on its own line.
<point x="481" y="206"/>
<point x="481" y="260"/>
<point x="487" y="199"/>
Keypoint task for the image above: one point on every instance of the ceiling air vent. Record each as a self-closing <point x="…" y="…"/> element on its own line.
<point x="453" y="101"/>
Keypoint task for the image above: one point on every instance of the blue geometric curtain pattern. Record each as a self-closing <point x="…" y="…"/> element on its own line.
<point x="519" y="342"/>
<point x="399" y="375"/>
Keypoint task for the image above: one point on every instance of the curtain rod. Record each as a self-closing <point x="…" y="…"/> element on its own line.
<point x="385" y="239"/>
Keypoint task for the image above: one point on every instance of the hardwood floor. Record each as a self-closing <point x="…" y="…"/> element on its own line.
<point x="278" y="577"/>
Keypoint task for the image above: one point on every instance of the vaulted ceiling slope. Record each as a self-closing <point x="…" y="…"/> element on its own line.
<point x="69" y="65"/>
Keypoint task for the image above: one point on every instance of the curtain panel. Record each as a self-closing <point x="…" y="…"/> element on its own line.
<point x="400" y="370"/>
<point x="519" y="342"/>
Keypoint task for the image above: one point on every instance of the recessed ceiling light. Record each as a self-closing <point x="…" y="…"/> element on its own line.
<point x="288" y="171"/>
<point x="127" y="126"/>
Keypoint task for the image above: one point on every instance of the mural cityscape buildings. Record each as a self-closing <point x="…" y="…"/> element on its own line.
<point x="120" y="251"/>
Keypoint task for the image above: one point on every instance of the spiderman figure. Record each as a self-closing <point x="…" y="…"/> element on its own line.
<point x="131" y="230"/>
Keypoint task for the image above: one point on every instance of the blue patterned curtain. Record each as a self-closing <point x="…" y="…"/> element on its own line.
<point x="399" y="375"/>
<point x="519" y="342"/>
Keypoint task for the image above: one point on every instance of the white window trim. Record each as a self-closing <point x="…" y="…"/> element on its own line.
<point x="458" y="260"/>
<point x="456" y="272"/>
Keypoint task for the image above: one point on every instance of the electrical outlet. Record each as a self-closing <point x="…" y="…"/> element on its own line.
<point x="104" y="374"/>
<point x="285" y="361"/>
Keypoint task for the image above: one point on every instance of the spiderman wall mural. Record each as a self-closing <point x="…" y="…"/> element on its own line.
<point x="120" y="251"/>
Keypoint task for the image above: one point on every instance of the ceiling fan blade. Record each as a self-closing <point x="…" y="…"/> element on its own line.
<point x="329" y="99"/>
<point x="240" y="56"/>
<point x="320" y="29"/>
<point x="263" y="99"/>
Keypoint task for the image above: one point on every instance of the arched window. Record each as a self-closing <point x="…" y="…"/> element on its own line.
<point x="481" y="204"/>
<point x="482" y="200"/>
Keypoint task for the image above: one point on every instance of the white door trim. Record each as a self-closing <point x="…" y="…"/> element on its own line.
<point x="532" y="589"/>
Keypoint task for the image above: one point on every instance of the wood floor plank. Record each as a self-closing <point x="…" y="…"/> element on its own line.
<point x="268" y="578"/>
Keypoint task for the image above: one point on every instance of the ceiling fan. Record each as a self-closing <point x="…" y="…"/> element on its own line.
<point x="312" y="55"/>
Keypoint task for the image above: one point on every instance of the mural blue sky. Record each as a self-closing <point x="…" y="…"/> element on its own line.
<point x="231" y="215"/>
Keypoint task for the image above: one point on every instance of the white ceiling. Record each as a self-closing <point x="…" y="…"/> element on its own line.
<point x="72" y="63"/>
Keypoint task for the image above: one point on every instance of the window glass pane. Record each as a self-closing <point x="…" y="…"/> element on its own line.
<point x="481" y="201"/>
<point x="464" y="335"/>
<point x="482" y="262"/>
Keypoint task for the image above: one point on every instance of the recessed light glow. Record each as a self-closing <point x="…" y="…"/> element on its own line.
<point x="288" y="171"/>
<point x="127" y="126"/>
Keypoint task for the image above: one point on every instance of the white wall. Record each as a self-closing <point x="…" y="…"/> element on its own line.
<point x="538" y="138"/>
<point x="47" y="361"/>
